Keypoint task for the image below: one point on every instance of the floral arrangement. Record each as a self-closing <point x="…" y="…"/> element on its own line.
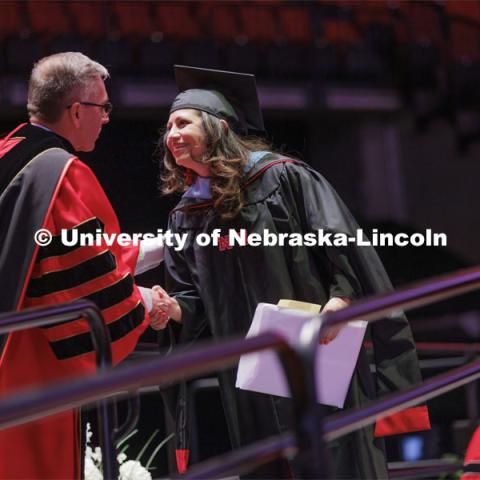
<point x="128" y="469"/>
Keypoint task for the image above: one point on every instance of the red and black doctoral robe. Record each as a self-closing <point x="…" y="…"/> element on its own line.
<point x="44" y="186"/>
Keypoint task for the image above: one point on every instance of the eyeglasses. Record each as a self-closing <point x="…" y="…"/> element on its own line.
<point x="107" y="106"/>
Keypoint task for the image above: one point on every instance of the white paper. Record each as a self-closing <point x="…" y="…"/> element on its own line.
<point x="335" y="362"/>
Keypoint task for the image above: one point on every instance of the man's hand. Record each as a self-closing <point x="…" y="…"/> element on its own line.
<point x="158" y="316"/>
<point x="334" y="304"/>
<point x="164" y="307"/>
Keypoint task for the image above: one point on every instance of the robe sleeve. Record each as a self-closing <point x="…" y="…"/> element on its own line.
<point x="359" y="268"/>
<point x="179" y="283"/>
<point x="103" y="273"/>
<point x="315" y="205"/>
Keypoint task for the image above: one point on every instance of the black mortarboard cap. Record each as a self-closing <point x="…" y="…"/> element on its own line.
<point x="228" y="95"/>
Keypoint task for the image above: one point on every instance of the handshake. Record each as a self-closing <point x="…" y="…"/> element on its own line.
<point x="163" y="309"/>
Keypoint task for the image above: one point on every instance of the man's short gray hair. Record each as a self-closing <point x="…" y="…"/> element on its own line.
<point x="56" y="79"/>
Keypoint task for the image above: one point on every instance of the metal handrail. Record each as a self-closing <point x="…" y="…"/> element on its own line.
<point x="41" y="317"/>
<point x="61" y="397"/>
<point x="26" y="406"/>
<point x="373" y="309"/>
<point x="423" y="468"/>
<point x="407" y="298"/>
<point x="239" y="462"/>
<point x="342" y="423"/>
<point x="441" y="347"/>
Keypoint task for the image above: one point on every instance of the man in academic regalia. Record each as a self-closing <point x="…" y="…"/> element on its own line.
<point x="43" y="185"/>
<point x="231" y="181"/>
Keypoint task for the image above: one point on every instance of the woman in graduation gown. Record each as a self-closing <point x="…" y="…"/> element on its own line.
<point x="231" y="181"/>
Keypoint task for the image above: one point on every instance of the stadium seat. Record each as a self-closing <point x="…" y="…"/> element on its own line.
<point x="258" y="23"/>
<point x="134" y="18"/>
<point x="89" y="18"/>
<point x="219" y="20"/>
<point x="176" y="20"/>
<point x="12" y="21"/>
<point x="48" y="18"/>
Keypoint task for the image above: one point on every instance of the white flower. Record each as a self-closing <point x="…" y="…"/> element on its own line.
<point x="129" y="469"/>
<point x="91" y="471"/>
<point x="88" y="432"/>
<point x="132" y="470"/>
<point x="97" y="455"/>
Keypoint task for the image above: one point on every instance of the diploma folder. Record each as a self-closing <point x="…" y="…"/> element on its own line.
<point x="334" y="363"/>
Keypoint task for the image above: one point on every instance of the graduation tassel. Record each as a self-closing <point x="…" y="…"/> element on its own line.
<point x="182" y="451"/>
<point x="182" y="460"/>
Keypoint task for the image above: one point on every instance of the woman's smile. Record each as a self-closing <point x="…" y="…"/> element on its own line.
<point x="186" y="140"/>
<point x="179" y="148"/>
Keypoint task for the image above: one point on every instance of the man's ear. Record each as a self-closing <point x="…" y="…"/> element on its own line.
<point x="74" y="112"/>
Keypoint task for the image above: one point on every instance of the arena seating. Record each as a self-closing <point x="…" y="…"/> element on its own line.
<point x="427" y="49"/>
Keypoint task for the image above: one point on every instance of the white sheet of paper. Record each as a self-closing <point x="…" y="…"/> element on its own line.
<point x="335" y="362"/>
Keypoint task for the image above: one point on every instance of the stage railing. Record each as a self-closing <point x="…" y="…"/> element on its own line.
<point x="423" y="468"/>
<point x="376" y="308"/>
<point x="337" y="425"/>
<point x="309" y="442"/>
<point x="25" y="406"/>
<point x="42" y="317"/>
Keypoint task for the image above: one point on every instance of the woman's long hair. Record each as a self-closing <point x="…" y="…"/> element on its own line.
<point x="226" y="156"/>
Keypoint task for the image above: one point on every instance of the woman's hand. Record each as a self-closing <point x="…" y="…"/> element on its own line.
<point x="334" y="304"/>
<point x="164" y="307"/>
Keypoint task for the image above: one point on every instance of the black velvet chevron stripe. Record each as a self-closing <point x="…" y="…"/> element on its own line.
<point x="72" y="277"/>
<point x="82" y="343"/>
<point x="57" y="248"/>
<point x="107" y="297"/>
<point x="113" y="294"/>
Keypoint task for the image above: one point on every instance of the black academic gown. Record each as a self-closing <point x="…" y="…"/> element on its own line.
<point x="219" y="288"/>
